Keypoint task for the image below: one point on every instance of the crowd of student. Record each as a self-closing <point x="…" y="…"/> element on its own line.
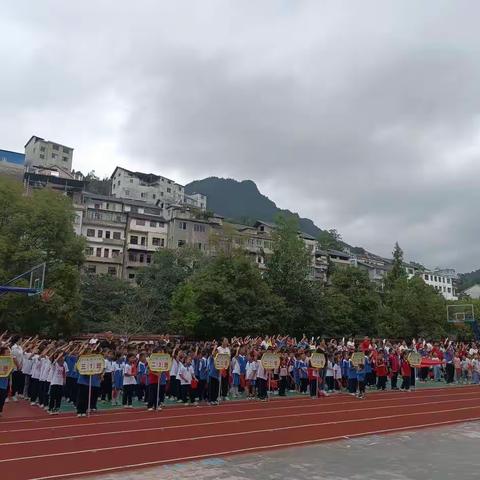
<point x="45" y="371"/>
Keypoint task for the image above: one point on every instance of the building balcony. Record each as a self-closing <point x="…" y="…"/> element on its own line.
<point x="112" y="260"/>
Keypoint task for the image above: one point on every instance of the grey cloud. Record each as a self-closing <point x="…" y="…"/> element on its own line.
<point x="363" y="116"/>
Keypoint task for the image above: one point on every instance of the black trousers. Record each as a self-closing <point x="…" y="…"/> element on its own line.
<point x="18" y="382"/>
<point x="33" y="389"/>
<point x="202" y="390"/>
<point x="303" y="385"/>
<point x="173" y="389"/>
<point x="313" y="387"/>
<point x="224" y="386"/>
<point x="94" y="399"/>
<point x="282" y="387"/>
<point x="361" y="387"/>
<point x="330" y="383"/>
<point x="352" y="385"/>
<point x="3" y="396"/>
<point x="381" y="382"/>
<point x="449" y="372"/>
<point x="82" y="398"/>
<point x="71" y="389"/>
<point x="262" y="388"/>
<point x="43" y="393"/>
<point x="128" y="394"/>
<point x="106" y="387"/>
<point x="393" y="380"/>
<point x="152" y="395"/>
<point x="405" y="383"/>
<point x="187" y="393"/>
<point x="56" y="392"/>
<point x="213" y="389"/>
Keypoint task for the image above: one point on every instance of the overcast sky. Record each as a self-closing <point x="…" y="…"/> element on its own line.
<point x="362" y="115"/>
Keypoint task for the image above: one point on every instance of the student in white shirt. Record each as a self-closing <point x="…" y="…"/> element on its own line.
<point x="43" y="382"/>
<point x="18" y="379"/>
<point x="27" y="372"/>
<point x="58" y="377"/>
<point x="129" y="381"/>
<point x="186" y="374"/>
<point x="251" y="376"/>
<point x="106" y="385"/>
<point x="261" y="382"/>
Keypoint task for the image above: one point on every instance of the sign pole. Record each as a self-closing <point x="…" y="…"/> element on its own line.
<point x="158" y="392"/>
<point x="89" y="393"/>
<point x="268" y="386"/>
<point x="318" y="382"/>
<point x="219" y="385"/>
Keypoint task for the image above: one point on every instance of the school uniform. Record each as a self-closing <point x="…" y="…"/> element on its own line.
<point x="302" y="375"/>
<point x="185" y="376"/>
<point x="83" y="382"/>
<point x="106" y="385"/>
<point x="141" y="381"/>
<point x="154" y="389"/>
<point x="330" y="383"/>
<point x="34" y="382"/>
<point x="251" y="377"/>
<point x="337" y="376"/>
<point x="283" y="380"/>
<point x="174" y="389"/>
<point x="71" y="380"/>
<point x="202" y="376"/>
<point x="242" y="361"/>
<point x="381" y="374"/>
<point x="361" y="381"/>
<point x="352" y="378"/>
<point x="406" y="372"/>
<point x="261" y="382"/>
<point x="394" y="369"/>
<point x="43" y="382"/>
<point x="213" y="380"/>
<point x="58" y="376"/>
<point x="18" y="378"/>
<point x="27" y="372"/>
<point x="129" y="383"/>
<point x="3" y="392"/>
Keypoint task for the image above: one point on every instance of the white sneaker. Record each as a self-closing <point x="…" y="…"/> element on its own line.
<point x="150" y="409"/>
<point x="15" y="398"/>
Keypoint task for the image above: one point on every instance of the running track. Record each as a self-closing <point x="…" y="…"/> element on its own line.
<point x="45" y="448"/>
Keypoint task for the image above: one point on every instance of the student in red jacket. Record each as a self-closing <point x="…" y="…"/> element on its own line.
<point x="394" y="362"/>
<point x="381" y="371"/>
<point x="406" y="372"/>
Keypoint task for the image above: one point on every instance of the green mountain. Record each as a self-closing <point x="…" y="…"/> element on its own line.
<point x="243" y="202"/>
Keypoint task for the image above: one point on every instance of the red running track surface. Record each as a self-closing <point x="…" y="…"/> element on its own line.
<point x="66" y="446"/>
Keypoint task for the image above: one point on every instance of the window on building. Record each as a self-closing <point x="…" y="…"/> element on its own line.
<point x="260" y="260"/>
<point x="143" y="241"/>
<point x="112" y="271"/>
<point x="100" y="233"/>
<point x="133" y="239"/>
<point x="118" y="183"/>
<point x="115" y="253"/>
<point x="161" y="194"/>
<point x="156" y="242"/>
<point x="89" y="251"/>
<point x="117" y="236"/>
<point x="54" y="155"/>
<point x="197" y="227"/>
<point x="99" y="252"/>
<point x="149" y="258"/>
<point x="97" y="206"/>
<point x="42" y="149"/>
<point x="426" y="277"/>
<point x="141" y="258"/>
<point x="140" y="222"/>
<point x="131" y="180"/>
<point x="180" y="243"/>
<point x="259" y="242"/>
<point x="132" y="257"/>
<point x="42" y="155"/>
<point x="107" y="233"/>
<point x="91" y="269"/>
<point x="127" y="192"/>
<point x="154" y="196"/>
<point x="198" y="245"/>
<point x="66" y="150"/>
<point x="169" y="190"/>
<point x="90" y="232"/>
<point x="131" y="276"/>
<point x="142" y="195"/>
<point x="65" y="159"/>
<point x="182" y="225"/>
<point x="153" y="224"/>
<point x="55" y="147"/>
<point x="106" y="252"/>
<point x="449" y="290"/>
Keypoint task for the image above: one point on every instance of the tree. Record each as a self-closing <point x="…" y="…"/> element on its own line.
<point x="158" y="282"/>
<point x="398" y="270"/>
<point x="102" y="299"/>
<point x="330" y="240"/>
<point x="288" y="270"/>
<point x="227" y="297"/>
<point x="352" y="304"/>
<point x="36" y="229"/>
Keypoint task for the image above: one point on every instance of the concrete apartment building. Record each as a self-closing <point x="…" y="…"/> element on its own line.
<point x="441" y="282"/>
<point x="151" y="188"/>
<point x="41" y="152"/>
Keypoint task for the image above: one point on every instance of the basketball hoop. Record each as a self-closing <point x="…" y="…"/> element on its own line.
<point x="47" y="295"/>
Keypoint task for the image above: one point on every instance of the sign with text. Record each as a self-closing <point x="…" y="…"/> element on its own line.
<point x="414" y="359"/>
<point x="93" y="364"/>
<point x="6" y="366"/>
<point x="270" y="361"/>
<point x="317" y="360"/>
<point x="160" y="362"/>
<point x="358" y="358"/>
<point x="222" y="361"/>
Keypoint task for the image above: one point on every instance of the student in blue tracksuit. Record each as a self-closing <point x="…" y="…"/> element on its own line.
<point x="361" y="380"/>
<point x="369" y="378"/>
<point x="352" y="378"/>
<point x="202" y="375"/>
<point x="213" y="379"/>
<point x="71" y="380"/>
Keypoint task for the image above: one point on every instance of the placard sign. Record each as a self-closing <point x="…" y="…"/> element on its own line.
<point x="317" y="360"/>
<point x="270" y="361"/>
<point x="358" y="358"/>
<point x="222" y="361"/>
<point x="160" y="362"/>
<point x="414" y="359"/>
<point x="6" y="366"/>
<point x="90" y="364"/>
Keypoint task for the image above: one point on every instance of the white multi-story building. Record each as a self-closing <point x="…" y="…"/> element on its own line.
<point x="153" y="189"/>
<point x="443" y="283"/>
<point x="45" y="153"/>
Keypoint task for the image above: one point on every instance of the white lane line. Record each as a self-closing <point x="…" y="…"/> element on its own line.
<point x="254" y="449"/>
<point x="384" y="396"/>
<point x="221" y="422"/>
<point x="158" y="416"/>
<point x="250" y="432"/>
